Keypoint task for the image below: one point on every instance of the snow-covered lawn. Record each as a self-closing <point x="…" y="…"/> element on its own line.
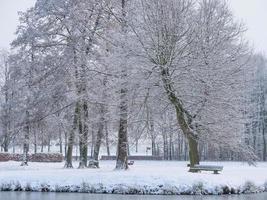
<point x="144" y="177"/>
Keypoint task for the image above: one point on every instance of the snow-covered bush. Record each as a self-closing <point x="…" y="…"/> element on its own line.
<point x="250" y="187"/>
<point x="198" y="189"/>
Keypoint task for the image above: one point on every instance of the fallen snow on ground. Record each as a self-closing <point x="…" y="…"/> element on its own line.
<point x="144" y="177"/>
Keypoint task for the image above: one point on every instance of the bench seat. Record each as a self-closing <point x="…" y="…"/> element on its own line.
<point x="214" y="168"/>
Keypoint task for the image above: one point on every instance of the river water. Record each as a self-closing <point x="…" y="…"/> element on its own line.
<point x="83" y="196"/>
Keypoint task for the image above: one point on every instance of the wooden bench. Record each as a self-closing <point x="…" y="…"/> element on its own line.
<point x="214" y="168"/>
<point x="131" y="162"/>
<point x="93" y="164"/>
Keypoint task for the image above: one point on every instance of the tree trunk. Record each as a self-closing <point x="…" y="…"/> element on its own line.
<point x="35" y="141"/>
<point x="83" y="130"/>
<point x="165" y="146"/>
<point x="153" y="146"/>
<point x="60" y="140"/>
<point x="42" y="140"/>
<point x="193" y="152"/>
<point x="66" y="143"/>
<point x="153" y="139"/>
<point x="49" y="144"/>
<point x="99" y="137"/>
<point x="264" y="144"/>
<point x="5" y="144"/>
<point x="93" y="142"/>
<point x="185" y="150"/>
<point x="182" y="117"/>
<point x="68" y="163"/>
<point x="122" y="148"/>
<point x="14" y="147"/>
<point x="6" y="131"/>
<point x="107" y="138"/>
<point x="136" y="145"/>
<point x="170" y="148"/>
<point x="7" y="111"/>
<point x="26" y="141"/>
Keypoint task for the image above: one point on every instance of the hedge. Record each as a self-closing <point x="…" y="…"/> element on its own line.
<point x="38" y="157"/>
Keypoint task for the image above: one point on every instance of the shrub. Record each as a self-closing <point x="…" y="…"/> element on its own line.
<point x="38" y="157"/>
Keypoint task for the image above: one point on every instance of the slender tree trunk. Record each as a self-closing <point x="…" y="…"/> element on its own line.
<point x="7" y="111"/>
<point x="264" y="143"/>
<point x="82" y="163"/>
<point x="6" y="131"/>
<point x="153" y="146"/>
<point x="35" y="141"/>
<point x="151" y="130"/>
<point x="170" y="148"/>
<point x="42" y="147"/>
<point x="99" y="137"/>
<point x="107" y="138"/>
<point x="5" y="144"/>
<point x="49" y="144"/>
<point x="60" y="139"/>
<point x="66" y="143"/>
<point x="185" y="150"/>
<point x="136" y="145"/>
<point x="13" y="147"/>
<point x="165" y="146"/>
<point x="182" y="117"/>
<point x="179" y="144"/>
<point x="93" y="141"/>
<point x="153" y="139"/>
<point x="26" y="141"/>
<point x="42" y="139"/>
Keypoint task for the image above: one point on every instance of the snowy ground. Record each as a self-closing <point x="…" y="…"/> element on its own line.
<point x="144" y="177"/>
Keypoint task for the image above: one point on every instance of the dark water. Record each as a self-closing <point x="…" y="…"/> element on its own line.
<point x="79" y="196"/>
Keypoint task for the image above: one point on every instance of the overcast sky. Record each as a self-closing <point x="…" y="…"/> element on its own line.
<point x="252" y="12"/>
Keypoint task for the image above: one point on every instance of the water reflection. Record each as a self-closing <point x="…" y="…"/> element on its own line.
<point x="79" y="196"/>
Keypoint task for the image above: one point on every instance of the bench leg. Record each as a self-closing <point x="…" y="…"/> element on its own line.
<point x="216" y="172"/>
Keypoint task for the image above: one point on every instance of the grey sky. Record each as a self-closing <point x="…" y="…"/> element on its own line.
<point x="251" y="12"/>
<point x="9" y="18"/>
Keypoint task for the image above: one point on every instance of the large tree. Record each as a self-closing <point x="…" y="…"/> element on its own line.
<point x="198" y="52"/>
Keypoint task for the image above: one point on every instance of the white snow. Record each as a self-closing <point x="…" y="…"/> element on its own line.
<point x="144" y="177"/>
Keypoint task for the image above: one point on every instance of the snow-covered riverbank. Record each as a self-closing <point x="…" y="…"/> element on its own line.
<point x="144" y="177"/>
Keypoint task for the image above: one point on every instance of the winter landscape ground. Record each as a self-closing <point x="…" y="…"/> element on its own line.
<point x="153" y="177"/>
